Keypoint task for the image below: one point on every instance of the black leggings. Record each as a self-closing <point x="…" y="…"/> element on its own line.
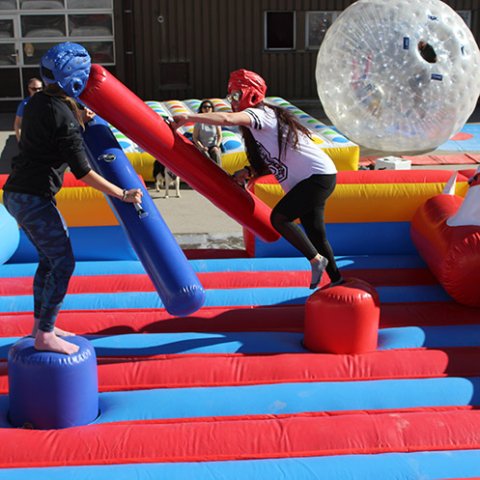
<point x="306" y="201"/>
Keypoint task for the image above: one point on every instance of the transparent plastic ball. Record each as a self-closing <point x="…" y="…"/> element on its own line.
<point x="398" y="76"/>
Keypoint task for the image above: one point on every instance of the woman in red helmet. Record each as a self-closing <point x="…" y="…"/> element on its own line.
<point x="277" y="143"/>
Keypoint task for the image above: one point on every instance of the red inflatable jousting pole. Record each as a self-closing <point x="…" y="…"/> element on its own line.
<point x="114" y="102"/>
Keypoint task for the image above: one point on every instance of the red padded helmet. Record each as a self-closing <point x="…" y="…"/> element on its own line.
<point x="252" y="86"/>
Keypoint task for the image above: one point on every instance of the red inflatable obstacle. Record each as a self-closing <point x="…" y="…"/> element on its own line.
<point x="113" y="101"/>
<point x="451" y="253"/>
<point x="343" y="319"/>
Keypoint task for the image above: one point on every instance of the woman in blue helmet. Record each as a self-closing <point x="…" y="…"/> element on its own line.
<point x="51" y="140"/>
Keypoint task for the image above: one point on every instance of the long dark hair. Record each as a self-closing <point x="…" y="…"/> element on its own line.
<point x="54" y="90"/>
<point x="289" y="129"/>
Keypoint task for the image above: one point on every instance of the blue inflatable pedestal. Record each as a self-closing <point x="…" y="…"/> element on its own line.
<point x="49" y="390"/>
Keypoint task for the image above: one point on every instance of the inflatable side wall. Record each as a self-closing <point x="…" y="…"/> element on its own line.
<point x="451" y="253"/>
<point x="344" y="153"/>
<point x="374" y="207"/>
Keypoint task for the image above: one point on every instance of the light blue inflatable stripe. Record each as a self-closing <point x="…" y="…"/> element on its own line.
<point x="287" y="398"/>
<point x="220" y="298"/>
<point x="126" y="267"/>
<point x="462" y="336"/>
<point x="299" y="263"/>
<point x="372" y="238"/>
<point x="117" y="267"/>
<point x="280" y="399"/>
<point x="107" y="243"/>
<point x="387" y="466"/>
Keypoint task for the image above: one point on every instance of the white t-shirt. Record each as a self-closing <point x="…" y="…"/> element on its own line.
<point x="298" y="163"/>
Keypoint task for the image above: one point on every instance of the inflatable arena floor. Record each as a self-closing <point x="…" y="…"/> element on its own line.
<point x="230" y="390"/>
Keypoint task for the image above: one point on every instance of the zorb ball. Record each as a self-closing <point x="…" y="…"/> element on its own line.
<point x="398" y="76"/>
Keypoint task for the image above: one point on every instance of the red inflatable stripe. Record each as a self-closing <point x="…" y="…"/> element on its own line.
<point x="304" y="435"/>
<point x="230" y="319"/>
<point x="367" y="177"/>
<point x="220" y="280"/>
<point x="207" y="319"/>
<point x="178" y="371"/>
<point x="215" y="370"/>
<point x="370" y="177"/>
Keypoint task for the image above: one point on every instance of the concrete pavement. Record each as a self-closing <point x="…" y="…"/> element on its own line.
<point x="193" y="213"/>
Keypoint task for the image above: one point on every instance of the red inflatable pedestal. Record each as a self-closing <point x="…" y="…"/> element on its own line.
<point x="343" y="319"/>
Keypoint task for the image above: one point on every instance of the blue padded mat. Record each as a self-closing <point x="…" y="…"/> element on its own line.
<point x="386" y="466"/>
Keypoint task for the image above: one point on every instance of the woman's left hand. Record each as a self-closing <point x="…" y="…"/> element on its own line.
<point x="134" y="195"/>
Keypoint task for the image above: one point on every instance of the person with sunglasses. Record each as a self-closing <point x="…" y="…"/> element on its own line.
<point x="208" y="138"/>
<point x="34" y="85"/>
<point x="277" y="143"/>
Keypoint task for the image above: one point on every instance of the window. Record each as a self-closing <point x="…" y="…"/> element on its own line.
<point x="32" y="53"/>
<point x="43" y="26"/>
<point x="41" y="4"/>
<point x="279" y="30"/>
<point x="91" y="4"/>
<point x="7" y="54"/>
<point x="6" y="28"/>
<point x="44" y="23"/>
<point x="317" y="24"/>
<point x="101" y="52"/>
<point x="8" y="5"/>
<point x="90" y="25"/>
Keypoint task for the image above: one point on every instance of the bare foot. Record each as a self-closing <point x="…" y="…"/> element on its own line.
<point x="57" y="331"/>
<point x="49" y="342"/>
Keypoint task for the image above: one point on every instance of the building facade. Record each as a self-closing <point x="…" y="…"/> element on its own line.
<point x="165" y="49"/>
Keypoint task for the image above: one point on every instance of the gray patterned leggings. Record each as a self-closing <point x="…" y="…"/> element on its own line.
<point x="43" y="224"/>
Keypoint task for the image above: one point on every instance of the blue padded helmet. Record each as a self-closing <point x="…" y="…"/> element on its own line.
<point x="67" y="65"/>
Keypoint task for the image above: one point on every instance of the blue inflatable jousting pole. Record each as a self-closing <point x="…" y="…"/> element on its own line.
<point x="165" y="263"/>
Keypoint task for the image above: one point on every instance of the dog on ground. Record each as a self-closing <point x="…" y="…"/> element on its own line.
<point x="164" y="178"/>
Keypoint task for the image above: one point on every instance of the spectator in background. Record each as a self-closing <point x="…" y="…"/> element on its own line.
<point x="34" y="85"/>
<point x="208" y="138"/>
